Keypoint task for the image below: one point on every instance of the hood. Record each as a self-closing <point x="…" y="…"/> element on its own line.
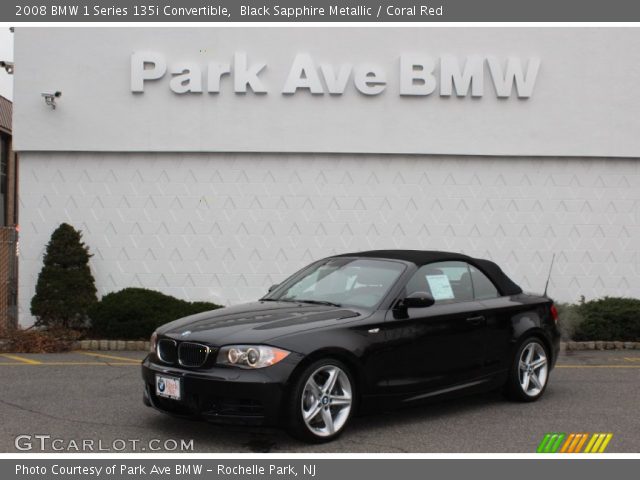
<point x="256" y="322"/>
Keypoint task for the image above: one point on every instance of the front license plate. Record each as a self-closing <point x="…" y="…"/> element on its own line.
<point x="168" y="387"/>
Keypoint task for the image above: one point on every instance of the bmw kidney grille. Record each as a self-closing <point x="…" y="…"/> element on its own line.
<point x="192" y="354"/>
<point x="186" y="354"/>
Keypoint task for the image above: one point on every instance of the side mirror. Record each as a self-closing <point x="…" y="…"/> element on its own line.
<point x="418" y="300"/>
<point x="273" y="287"/>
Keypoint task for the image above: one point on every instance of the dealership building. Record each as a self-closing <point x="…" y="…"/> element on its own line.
<point x="210" y="163"/>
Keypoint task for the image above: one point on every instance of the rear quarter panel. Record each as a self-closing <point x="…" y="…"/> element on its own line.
<point x="509" y="320"/>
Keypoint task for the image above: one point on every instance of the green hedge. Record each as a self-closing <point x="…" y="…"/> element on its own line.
<point x="134" y="313"/>
<point x="570" y="318"/>
<point x="608" y="319"/>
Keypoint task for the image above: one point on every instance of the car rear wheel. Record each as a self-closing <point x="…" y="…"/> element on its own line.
<point x="530" y="371"/>
<point x="321" y="402"/>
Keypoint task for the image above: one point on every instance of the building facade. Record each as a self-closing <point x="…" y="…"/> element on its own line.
<point x="211" y="163"/>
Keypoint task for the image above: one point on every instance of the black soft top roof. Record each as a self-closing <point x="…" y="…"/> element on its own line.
<point x="423" y="257"/>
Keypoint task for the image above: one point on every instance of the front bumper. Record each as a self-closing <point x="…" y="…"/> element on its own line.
<point x="223" y="395"/>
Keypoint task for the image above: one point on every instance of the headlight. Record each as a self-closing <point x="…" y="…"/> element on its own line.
<point x="250" y="356"/>
<point x="153" y="342"/>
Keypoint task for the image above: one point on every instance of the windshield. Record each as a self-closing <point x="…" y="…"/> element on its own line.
<point x="342" y="281"/>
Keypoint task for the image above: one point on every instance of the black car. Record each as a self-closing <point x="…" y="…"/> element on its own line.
<point x="355" y="332"/>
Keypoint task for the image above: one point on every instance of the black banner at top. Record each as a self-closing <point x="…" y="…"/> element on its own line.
<point x="426" y="11"/>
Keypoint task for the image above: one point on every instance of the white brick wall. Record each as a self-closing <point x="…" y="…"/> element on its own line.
<point x="224" y="227"/>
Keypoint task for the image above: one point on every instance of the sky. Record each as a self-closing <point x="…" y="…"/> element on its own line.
<point x="6" y="53"/>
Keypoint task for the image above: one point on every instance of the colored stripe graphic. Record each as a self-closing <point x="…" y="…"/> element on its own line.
<point x="551" y="442"/>
<point x="555" y="442"/>
<point x="556" y="445"/>
<point x="543" y="443"/>
<point x="606" y="441"/>
<point x="572" y="442"/>
<point x="598" y="443"/>
<point x="596" y="446"/>
<point x="581" y="443"/>
<point x="571" y="439"/>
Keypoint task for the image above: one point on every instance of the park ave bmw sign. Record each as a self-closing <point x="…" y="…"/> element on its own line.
<point x="417" y="75"/>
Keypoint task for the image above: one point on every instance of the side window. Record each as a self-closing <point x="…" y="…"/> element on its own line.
<point x="446" y="282"/>
<point x="483" y="288"/>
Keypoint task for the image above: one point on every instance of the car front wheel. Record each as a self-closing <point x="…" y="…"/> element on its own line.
<point x="322" y="401"/>
<point x="530" y="371"/>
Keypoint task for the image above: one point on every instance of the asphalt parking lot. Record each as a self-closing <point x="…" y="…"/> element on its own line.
<point x="96" y="396"/>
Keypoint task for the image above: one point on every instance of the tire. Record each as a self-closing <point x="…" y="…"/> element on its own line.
<point x="333" y="403"/>
<point x="529" y="373"/>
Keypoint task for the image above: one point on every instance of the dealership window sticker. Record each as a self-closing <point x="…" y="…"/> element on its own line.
<point x="440" y="287"/>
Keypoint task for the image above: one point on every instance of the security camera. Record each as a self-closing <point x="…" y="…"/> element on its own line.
<point x="8" y="66"/>
<point x="50" y="98"/>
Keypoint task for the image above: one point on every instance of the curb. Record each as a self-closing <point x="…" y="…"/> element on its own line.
<point x="574" y="346"/>
<point x="130" y="345"/>
<point x="140" y="345"/>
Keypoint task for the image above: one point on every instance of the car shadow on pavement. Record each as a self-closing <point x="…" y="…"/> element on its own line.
<point x="366" y="433"/>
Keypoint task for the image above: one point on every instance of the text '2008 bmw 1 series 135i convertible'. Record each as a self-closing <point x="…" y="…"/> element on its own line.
<point x="352" y="333"/>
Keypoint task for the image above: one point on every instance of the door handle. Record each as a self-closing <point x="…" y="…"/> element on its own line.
<point x="476" y="320"/>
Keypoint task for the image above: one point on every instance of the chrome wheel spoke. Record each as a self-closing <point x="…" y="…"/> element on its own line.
<point x="539" y="363"/>
<point x="314" y="387"/>
<point x="529" y="350"/>
<point x="312" y="413"/>
<point x="339" y="400"/>
<point x="331" y="381"/>
<point x="328" y="420"/>
<point x="535" y="381"/>
<point x="525" y="381"/>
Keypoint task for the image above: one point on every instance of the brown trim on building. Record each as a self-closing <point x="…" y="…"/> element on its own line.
<point x="8" y="225"/>
<point x="11" y="204"/>
<point x="6" y="115"/>
<point x="8" y="279"/>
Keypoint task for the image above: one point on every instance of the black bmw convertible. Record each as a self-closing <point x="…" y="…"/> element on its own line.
<point x="352" y="333"/>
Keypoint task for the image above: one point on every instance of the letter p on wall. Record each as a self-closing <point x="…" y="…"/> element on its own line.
<point x="146" y="66"/>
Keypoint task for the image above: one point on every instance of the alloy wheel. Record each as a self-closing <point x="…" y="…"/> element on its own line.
<point x="533" y="369"/>
<point x="327" y="400"/>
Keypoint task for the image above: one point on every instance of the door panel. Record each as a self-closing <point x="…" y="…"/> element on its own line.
<point x="433" y="347"/>
<point x="498" y="316"/>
